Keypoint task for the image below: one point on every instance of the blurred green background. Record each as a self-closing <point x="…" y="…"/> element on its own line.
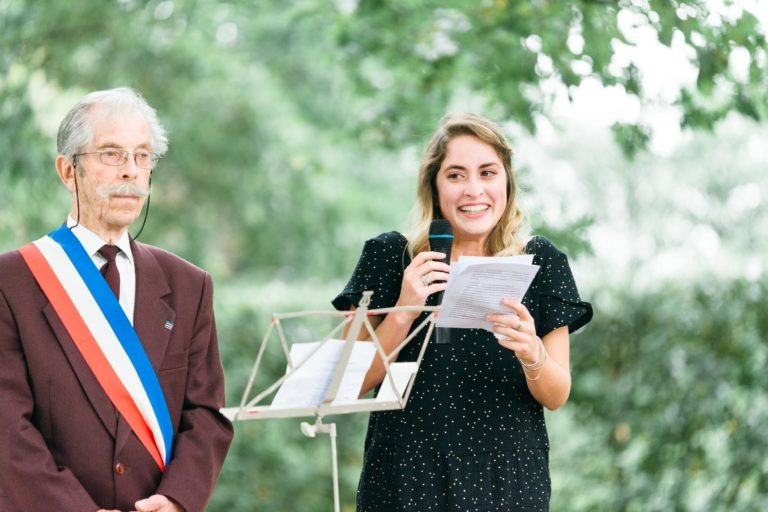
<point x="639" y="128"/>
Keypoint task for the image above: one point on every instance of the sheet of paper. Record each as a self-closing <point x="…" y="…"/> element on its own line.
<point x="401" y="374"/>
<point x="309" y="383"/>
<point x="478" y="284"/>
<point x="465" y="261"/>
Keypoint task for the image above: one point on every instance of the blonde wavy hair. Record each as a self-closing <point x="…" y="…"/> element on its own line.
<point x="508" y="237"/>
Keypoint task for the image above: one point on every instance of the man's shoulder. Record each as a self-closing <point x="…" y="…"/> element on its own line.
<point x="167" y="260"/>
<point x="15" y="276"/>
<point x="10" y="260"/>
<point x="9" y="255"/>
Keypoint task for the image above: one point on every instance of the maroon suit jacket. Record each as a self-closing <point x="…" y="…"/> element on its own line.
<point x="62" y="445"/>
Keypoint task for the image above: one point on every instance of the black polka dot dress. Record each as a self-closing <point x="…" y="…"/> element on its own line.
<point x="472" y="437"/>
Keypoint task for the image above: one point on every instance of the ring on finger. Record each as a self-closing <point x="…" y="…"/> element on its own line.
<point x="519" y="326"/>
<point x="426" y="278"/>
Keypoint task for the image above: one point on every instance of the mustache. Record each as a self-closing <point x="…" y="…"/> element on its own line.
<point x="123" y="189"/>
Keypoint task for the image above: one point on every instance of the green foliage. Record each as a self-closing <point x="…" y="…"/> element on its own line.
<point x="668" y="380"/>
<point x="295" y="132"/>
<point x="631" y="137"/>
<point x="434" y="51"/>
<point x="672" y="397"/>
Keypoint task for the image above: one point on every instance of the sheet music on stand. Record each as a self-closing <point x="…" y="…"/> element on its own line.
<point x="324" y="377"/>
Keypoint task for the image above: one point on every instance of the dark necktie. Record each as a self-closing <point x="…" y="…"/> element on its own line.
<point x="109" y="269"/>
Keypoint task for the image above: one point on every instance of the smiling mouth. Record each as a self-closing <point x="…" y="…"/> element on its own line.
<point x="475" y="208"/>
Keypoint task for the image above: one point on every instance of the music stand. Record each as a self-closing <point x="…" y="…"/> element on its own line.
<point x="393" y="393"/>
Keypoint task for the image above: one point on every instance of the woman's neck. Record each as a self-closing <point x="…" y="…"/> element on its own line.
<point x="467" y="248"/>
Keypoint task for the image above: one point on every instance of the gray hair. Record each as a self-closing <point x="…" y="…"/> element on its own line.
<point x="75" y="130"/>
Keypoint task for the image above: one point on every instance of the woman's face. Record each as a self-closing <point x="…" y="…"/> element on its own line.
<point x="471" y="188"/>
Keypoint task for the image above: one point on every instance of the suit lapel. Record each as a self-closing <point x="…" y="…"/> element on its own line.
<point x="151" y="312"/>
<point x="93" y="390"/>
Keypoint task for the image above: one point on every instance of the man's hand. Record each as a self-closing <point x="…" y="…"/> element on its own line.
<point x="158" y="503"/>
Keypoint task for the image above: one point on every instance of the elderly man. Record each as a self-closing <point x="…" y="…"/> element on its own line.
<point x="110" y="375"/>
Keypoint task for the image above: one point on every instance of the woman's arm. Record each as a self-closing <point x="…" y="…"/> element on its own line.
<point x="392" y="329"/>
<point x="551" y="384"/>
<point x="545" y="362"/>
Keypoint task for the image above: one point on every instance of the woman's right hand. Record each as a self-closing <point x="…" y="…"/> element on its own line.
<point x="425" y="268"/>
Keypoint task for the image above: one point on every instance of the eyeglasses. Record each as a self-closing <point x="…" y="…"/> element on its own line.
<point x="143" y="159"/>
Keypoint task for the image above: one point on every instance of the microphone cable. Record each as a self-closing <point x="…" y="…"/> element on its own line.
<point x="146" y="210"/>
<point x="77" y="194"/>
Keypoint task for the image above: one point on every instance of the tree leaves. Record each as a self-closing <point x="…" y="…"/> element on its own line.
<point x="295" y="132"/>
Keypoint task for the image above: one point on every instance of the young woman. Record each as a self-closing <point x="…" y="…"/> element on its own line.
<point x="472" y="437"/>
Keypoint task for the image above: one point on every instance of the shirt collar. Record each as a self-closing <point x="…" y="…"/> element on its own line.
<point x="92" y="242"/>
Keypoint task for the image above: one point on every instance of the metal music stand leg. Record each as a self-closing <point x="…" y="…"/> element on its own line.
<point x="330" y="429"/>
<point x="442" y="335"/>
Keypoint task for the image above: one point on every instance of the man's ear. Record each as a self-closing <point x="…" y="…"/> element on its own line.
<point x="66" y="170"/>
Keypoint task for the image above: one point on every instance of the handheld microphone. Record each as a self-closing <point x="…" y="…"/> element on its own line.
<point x="441" y="240"/>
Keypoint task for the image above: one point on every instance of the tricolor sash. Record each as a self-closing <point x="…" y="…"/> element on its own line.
<point x="104" y="335"/>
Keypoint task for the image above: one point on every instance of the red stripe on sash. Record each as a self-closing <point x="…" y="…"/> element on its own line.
<point x="88" y="347"/>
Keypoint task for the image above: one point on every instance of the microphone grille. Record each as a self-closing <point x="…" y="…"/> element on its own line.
<point x="440" y="227"/>
<point x="441" y="238"/>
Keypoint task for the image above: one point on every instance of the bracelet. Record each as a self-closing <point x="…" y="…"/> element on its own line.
<point x="542" y="358"/>
<point x="537" y="377"/>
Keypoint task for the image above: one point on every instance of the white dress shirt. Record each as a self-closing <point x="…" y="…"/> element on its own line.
<point x="125" y="265"/>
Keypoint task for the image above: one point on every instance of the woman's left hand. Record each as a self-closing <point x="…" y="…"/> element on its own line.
<point x="516" y="331"/>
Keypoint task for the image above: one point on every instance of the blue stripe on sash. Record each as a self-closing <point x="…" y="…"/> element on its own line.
<point x="124" y="331"/>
